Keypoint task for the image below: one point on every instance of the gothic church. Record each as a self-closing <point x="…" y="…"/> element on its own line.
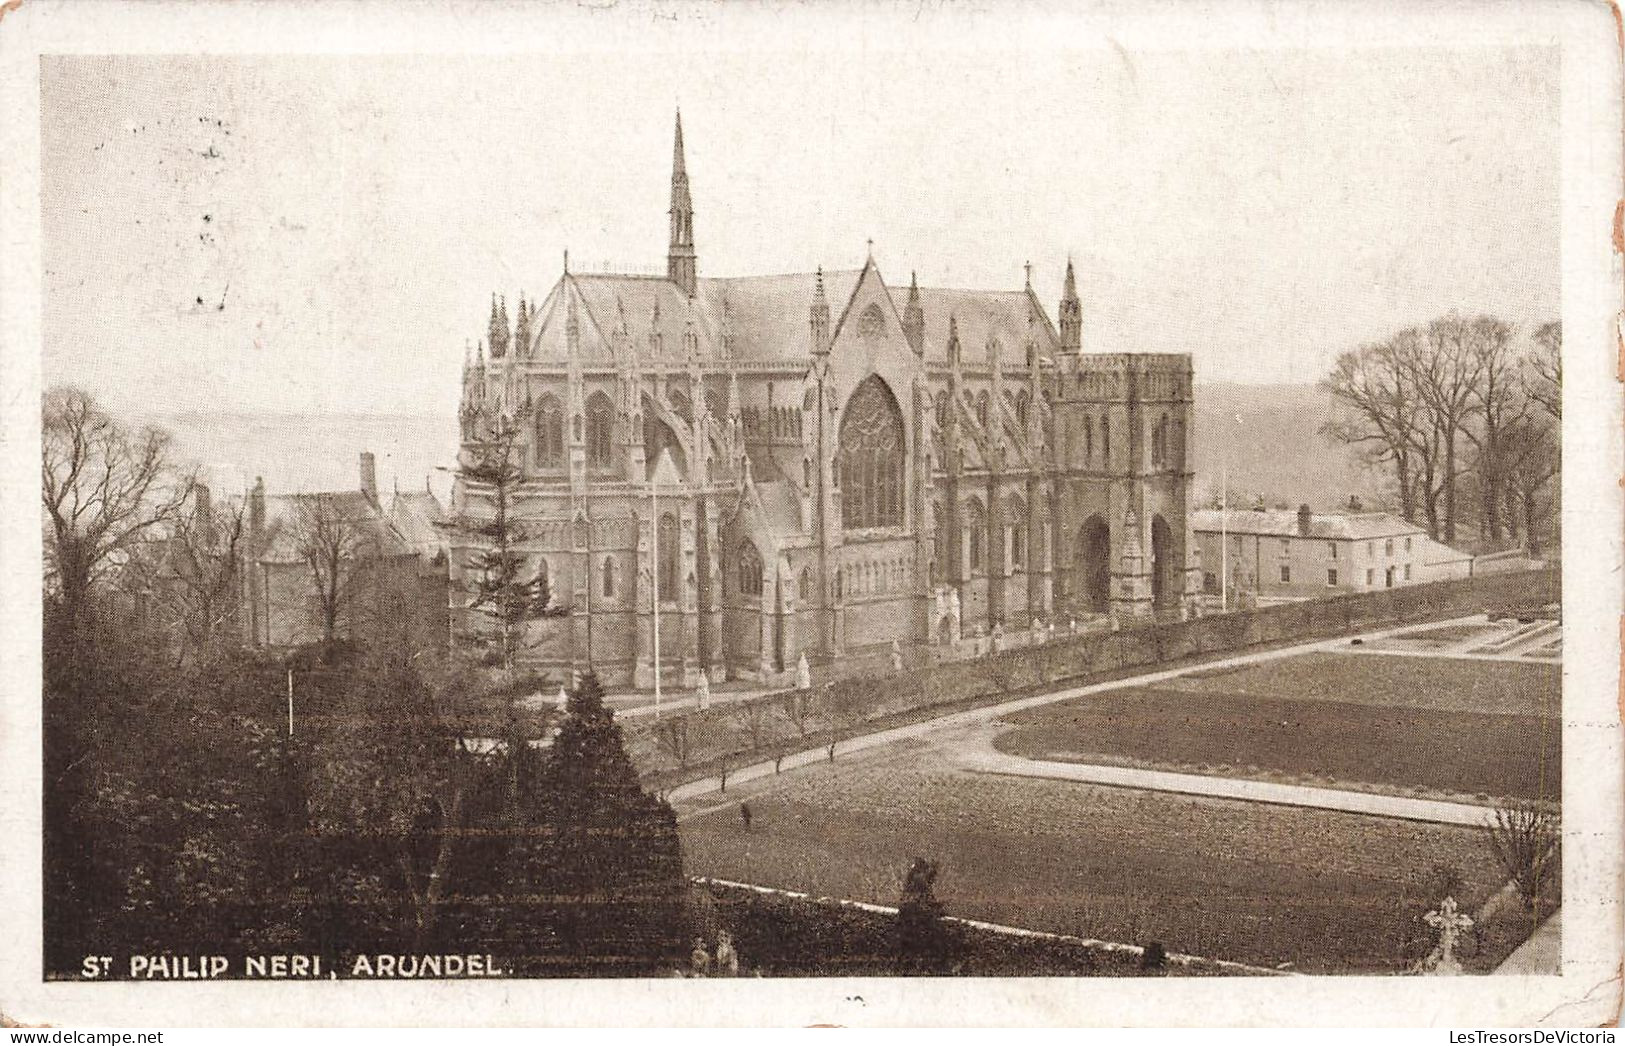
<point x="822" y="463"/>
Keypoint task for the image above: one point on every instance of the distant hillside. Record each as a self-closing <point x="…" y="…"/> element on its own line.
<point x="1277" y="449"/>
<point x="315" y="452"/>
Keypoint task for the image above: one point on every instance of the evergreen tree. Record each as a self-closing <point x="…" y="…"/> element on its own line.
<point x="501" y="589"/>
<point x="611" y="839"/>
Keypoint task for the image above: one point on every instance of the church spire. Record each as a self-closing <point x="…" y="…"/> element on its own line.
<point x="680" y="261"/>
<point x="914" y="317"/>
<point x="1071" y="314"/>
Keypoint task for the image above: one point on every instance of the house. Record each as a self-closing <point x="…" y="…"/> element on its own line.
<point x="339" y="564"/>
<point x="1280" y="554"/>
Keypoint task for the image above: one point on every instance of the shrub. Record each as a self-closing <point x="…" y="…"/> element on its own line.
<point x="1524" y="841"/>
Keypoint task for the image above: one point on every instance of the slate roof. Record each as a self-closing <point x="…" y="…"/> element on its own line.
<point x="766" y="317"/>
<point x="281" y="543"/>
<point x="416" y="516"/>
<point x="1013" y="317"/>
<point x="1363" y="526"/>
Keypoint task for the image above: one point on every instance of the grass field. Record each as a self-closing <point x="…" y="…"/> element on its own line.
<point x="1326" y="892"/>
<point x="1441" y="684"/>
<point x="1465" y="755"/>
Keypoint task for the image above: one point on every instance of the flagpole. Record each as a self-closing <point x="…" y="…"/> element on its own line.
<point x="1224" y="531"/>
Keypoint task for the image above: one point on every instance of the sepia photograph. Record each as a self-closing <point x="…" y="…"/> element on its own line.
<point x="898" y="492"/>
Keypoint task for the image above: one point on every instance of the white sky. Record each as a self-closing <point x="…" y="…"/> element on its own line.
<point x="1260" y="209"/>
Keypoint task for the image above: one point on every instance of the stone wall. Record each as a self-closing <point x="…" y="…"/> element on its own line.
<point x="859" y="704"/>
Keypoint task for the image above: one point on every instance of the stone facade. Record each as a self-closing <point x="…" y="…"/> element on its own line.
<point x="819" y="463"/>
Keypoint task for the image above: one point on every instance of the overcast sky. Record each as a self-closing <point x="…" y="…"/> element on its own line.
<point x="323" y="234"/>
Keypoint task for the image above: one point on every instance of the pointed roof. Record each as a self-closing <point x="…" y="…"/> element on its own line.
<point x="680" y="201"/>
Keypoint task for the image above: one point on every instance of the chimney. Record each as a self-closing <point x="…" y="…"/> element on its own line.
<point x="256" y="508"/>
<point x="1304" y="516"/>
<point x="369" y="476"/>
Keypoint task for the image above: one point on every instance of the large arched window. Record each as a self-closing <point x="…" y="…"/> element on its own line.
<point x="870" y="465"/>
<point x="669" y="554"/>
<point x="750" y="571"/>
<point x="975" y="526"/>
<point x="609" y="577"/>
<point x="549" y="433"/>
<point x="981" y="409"/>
<point x="1088" y="438"/>
<point x="600" y="431"/>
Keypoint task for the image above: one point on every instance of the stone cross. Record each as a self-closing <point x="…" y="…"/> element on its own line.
<point x="896" y="656"/>
<point x="1450" y="922"/>
<point x="803" y="673"/>
<point x="702" y="693"/>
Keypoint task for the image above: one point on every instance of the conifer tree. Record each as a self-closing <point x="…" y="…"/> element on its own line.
<point x="501" y="590"/>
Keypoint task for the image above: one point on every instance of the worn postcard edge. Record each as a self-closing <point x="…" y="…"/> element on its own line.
<point x="1587" y="992"/>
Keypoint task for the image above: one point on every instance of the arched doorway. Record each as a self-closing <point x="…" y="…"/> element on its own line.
<point x="1163" y="589"/>
<point x="1094" y="565"/>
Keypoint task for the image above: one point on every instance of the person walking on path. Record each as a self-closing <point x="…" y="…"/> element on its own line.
<point x="744" y="815"/>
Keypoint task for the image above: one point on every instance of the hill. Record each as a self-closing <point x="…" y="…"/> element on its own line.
<point x="1276" y="449"/>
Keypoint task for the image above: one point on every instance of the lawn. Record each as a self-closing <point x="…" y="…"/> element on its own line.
<point x="1422" y="683"/>
<point x="1471" y="756"/>
<point x="1326" y="892"/>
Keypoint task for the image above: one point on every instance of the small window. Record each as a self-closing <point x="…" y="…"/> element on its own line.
<point x="1331" y="577"/>
<point x="1286" y="574"/>
<point x="1407" y="571"/>
<point x="1388" y="547"/>
<point x="1407" y="546"/>
<point x="609" y="578"/>
<point x="1286" y="546"/>
<point x="1370" y="577"/>
<point x="1331" y="549"/>
<point x="750" y="571"/>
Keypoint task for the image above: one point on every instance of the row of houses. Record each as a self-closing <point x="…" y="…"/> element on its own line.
<point x="1262" y="555"/>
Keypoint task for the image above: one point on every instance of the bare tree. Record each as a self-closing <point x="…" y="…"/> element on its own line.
<point x="191" y="576"/>
<point x="1532" y="462"/>
<point x="1499" y="402"/>
<point x="800" y="709"/>
<point x="1447" y="373"/>
<point x="105" y="489"/>
<point x="340" y="550"/>
<point x="1545" y="364"/>
<point x="1382" y="416"/>
<point x="750" y="715"/>
<point x="673" y="736"/>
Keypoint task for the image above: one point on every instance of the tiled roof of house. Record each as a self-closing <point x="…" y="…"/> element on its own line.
<point x="285" y="532"/>
<point x="1362" y="526"/>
